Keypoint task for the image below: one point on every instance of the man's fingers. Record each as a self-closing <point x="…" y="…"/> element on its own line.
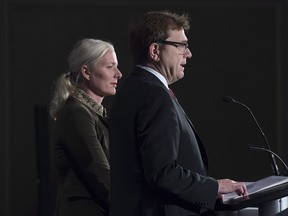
<point x="241" y="189"/>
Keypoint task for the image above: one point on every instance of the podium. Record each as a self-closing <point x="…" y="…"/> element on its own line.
<point x="269" y="195"/>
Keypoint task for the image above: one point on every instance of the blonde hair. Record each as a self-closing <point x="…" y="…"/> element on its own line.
<point x="85" y="52"/>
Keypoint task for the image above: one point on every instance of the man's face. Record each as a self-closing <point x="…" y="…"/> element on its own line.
<point x="173" y="56"/>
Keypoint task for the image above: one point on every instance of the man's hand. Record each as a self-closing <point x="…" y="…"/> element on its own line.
<point x="228" y="186"/>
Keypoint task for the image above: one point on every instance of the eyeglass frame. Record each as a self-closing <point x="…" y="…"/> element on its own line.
<point x="176" y="44"/>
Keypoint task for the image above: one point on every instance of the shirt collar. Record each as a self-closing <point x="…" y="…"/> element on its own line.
<point x="155" y="73"/>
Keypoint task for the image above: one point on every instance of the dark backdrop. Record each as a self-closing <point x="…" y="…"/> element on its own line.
<point x="238" y="49"/>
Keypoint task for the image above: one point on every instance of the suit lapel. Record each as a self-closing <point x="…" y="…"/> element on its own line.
<point x="200" y="143"/>
<point x="147" y="75"/>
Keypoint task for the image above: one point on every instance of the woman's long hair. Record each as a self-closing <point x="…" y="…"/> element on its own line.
<point x="85" y="52"/>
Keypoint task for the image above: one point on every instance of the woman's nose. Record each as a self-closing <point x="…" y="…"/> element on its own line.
<point x="118" y="74"/>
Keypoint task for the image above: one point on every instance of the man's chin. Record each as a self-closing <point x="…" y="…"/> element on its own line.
<point x="181" y="75"/>
<point x="176" y="79"/>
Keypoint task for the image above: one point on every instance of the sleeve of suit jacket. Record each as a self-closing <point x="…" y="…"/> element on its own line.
<point x="159" y="133"/>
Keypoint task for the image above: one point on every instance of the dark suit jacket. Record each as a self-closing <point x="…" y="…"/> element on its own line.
<point x="82" y="158"/>
<point x="158" y="163"/>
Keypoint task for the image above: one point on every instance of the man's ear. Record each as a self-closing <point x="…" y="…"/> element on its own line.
<point x="154" y="51"/>
<point x="85" y="72"/>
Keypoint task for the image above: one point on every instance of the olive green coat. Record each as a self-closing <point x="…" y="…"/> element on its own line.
<point x="82" y="158"/>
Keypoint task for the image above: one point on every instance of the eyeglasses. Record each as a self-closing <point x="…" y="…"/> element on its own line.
<point x="181" y="46"/>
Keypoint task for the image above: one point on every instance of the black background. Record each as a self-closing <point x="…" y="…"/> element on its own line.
<point x="238" y="47"/>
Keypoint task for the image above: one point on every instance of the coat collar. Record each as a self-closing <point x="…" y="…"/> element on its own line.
<point x="83" y="97"/>
<point x="146" y="75"/>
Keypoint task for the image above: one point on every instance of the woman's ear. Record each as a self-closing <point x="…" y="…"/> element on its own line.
<point x="154" y="51"/>
<point x="85" y="72"/>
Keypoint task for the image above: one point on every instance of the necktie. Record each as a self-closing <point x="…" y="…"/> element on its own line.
<point x="172" y="94"/>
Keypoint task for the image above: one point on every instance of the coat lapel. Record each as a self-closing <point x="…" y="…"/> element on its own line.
<point x="147" y="75"/>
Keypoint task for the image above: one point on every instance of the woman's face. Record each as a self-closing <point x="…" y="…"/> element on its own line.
<point x="103" y="76"/>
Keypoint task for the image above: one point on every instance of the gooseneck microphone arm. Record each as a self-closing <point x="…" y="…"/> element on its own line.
<point x="271" y="152"/>
<point x="229" y="99"/>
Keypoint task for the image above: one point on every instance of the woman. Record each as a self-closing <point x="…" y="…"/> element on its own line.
<point x="82" y="151"/>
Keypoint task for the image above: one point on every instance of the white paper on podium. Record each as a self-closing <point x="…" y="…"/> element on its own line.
<point x="260" y="185"/>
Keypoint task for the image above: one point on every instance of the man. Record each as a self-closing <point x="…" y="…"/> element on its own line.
<point x="158" y="163"/>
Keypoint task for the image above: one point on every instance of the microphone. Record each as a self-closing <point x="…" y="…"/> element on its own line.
<point x="229" y="99"/>
<point x="271" y="152"/>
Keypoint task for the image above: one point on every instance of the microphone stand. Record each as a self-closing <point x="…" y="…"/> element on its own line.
<point x="229" y="99"/>
<point x="271" y="152"/>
